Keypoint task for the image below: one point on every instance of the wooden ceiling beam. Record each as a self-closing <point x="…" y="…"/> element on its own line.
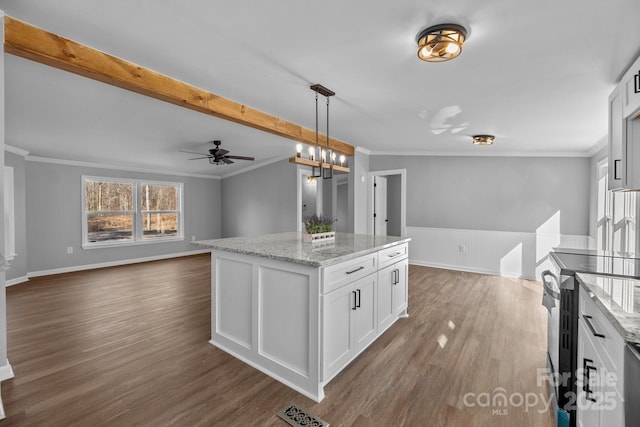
<point x="30" y="42"/>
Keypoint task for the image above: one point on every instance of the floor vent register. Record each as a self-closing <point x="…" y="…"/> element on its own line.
<point x="298" y="417"/>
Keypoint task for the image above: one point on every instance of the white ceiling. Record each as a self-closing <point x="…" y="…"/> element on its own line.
<point x="536" y="74"/>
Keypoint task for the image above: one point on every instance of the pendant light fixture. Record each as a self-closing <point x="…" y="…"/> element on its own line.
<point x="325" y="155"/>
<point x="321" y="157"/>
<point x="441" y="42"/>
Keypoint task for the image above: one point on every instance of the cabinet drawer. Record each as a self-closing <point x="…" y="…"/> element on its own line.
<point x="604" y="336"/>
<point x="393" y="254"/>
<point x="338" y="275"/>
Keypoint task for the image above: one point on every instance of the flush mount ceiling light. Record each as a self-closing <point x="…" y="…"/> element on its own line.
<point x="441" y="42"/>
<point x="483" y="139"/>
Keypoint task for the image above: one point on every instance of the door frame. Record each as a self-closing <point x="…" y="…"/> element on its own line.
<point x="338" y="179"/>
<point x="306" y="172"/>
<point x="403" y="198"/>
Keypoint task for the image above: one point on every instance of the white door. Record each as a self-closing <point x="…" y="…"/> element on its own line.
<point x="380" y="206"/>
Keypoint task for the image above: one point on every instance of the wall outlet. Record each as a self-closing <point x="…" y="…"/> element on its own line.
<point x="462" y="249"/>
<point x="69" y="250"/>
<point x="193" y="238"/>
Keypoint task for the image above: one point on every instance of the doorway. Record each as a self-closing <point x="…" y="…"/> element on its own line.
<point x="386" y="210"/>
<point x="309" y="196"/>
<point x="340" y="202"/>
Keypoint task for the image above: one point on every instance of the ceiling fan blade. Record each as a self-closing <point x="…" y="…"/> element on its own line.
<point x="240" y="157"/>
<point x="227" y="161"/>
<point x="198" y="158"/>
<point x="221" y="152"/>
<point x="193" y="152"/>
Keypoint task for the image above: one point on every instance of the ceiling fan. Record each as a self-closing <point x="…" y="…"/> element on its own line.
<point x="217" y="155"/>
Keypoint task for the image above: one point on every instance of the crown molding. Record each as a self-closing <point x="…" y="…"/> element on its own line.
<point x="597" y="147"/>
<point x="115" y="167"/>
<point x="15" y="150"/>
<point x="485" y="153"/>
<point x="363" y="151"/>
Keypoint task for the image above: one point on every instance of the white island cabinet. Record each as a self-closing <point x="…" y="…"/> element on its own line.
<point x="301" y="312"/>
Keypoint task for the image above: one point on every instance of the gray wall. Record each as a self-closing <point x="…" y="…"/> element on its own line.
<point x="260" y="201"/>
<point x="54" y="217"/>
<point x="19" y="263"/>
<point x="494" y="193"/>
<point x="358" y="189"/>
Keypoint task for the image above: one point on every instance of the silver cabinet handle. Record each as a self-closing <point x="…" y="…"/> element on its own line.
<point x="615" y="169"/>
<point x="394" y="254"/>
<point x="590" y="325"/>
<point x="357" y="269"/>
<point x="545" y="275"/>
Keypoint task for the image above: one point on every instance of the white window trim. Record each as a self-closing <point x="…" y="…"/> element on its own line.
<point x="138" y="234"/>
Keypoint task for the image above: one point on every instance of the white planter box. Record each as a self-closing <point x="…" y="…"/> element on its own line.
<point x="319" y="237"/>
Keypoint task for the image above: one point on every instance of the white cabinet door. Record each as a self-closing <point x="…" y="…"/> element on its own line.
<point x="364" y="316"/>
<point x="631" y="89"/>
<point x="616" y="135"/>
<point x="338" y="341"/>
<point x="349" y="323"/>
<point x="400" y="288"/>
<point x="386" y="291"/>
<point x="588" y="414"/>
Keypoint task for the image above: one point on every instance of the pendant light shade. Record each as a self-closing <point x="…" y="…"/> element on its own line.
<point x="441" y="42"/>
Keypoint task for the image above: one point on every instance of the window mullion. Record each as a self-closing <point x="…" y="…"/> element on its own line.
<point x="137" y="217"/>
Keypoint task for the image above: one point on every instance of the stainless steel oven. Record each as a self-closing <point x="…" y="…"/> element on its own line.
<point x="560" y="297"/>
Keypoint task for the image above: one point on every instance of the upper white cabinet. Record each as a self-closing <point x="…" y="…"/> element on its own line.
<point x="631" y="90"/>
<point x="617" y="143"/>
<point x="624" y="132"/>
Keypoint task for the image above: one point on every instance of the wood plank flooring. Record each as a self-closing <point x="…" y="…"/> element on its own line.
<point x="128" y="346"/>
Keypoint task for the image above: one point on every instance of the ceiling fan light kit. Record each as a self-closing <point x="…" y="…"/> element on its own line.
<point x="441" y="42"/>
<point x="322" y="160"/>
<point x="483" y="139"/>
<point x="218" y="156"/>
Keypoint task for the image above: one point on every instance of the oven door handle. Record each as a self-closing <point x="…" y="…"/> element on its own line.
<point x="554" y="294"/>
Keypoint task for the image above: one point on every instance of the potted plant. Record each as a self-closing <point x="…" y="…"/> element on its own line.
<point x="318" y="228"/>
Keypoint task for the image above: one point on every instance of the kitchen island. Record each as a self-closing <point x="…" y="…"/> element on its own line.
<point x="301" y="312"/>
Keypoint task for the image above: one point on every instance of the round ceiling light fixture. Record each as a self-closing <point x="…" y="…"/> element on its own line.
<point x="441" y="42"/>
<point x="483" y="139"/>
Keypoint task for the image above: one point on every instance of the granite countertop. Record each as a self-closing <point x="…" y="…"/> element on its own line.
<point x="619" y="300"/>
<point x="580" y="251"/>
<point x="289" y="247"/>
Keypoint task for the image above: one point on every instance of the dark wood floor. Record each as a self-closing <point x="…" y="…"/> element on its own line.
<point x="129" y="346"/>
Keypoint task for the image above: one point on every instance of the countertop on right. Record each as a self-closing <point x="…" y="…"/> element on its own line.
<point x="619" y="300"/>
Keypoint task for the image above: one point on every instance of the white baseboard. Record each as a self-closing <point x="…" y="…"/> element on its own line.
<point x="113" y="263"/>
<point x="467" y="269"/>
<point x="16" y="281"/>
<point x="502" y="253"/>
<point x="6" y="372"/>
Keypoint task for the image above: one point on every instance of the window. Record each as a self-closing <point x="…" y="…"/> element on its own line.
<point x="118" y="211"/>
<point x="616" y="216"/>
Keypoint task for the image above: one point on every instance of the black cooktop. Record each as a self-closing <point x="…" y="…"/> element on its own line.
<point x="570" y="263"/>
